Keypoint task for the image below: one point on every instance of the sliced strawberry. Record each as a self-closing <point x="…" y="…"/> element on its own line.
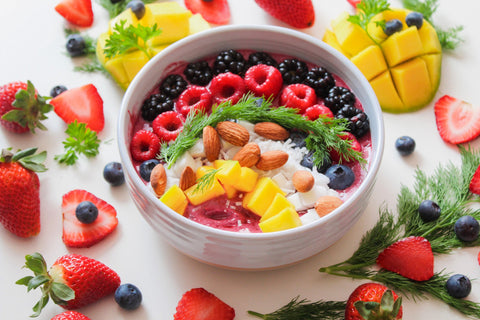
<point x="83" y="235"/>
<point x="77" y="12"/>
<point x="457" y="121"/>
<point x="475" y="182"/>
<point x="411" y="257"/>
<point x="199" y="304"/>
<point x="214" y="11"/>
<point x="354" y="3"/>
<point x="83" y="104"/>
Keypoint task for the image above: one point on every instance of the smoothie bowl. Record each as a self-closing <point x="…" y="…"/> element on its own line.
<point x="250" y="147"/>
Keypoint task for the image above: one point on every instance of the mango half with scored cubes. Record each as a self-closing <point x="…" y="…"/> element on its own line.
<point x="403" y="68"/>
<point x="175" y="23"/>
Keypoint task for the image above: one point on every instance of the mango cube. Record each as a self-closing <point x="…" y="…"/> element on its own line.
<point x="170" y="17"/>
<point x="247" y="180"/>
<point x="228" y="172"/>
<point x="260" y="198"/>
<point x="387" y="93"/>
<point x="286" y="219"/>
<point x="197" y="195"/>
<point x="203" y="170"/>
<point x="278" y="204"/>
<point x="370" y="61"/>
<point x="197" y="24"/>
<point x="133" y="62"/>
<point x="351" y="37"/>
<point x="175" y="199"/>
<point x="402" y="46"/>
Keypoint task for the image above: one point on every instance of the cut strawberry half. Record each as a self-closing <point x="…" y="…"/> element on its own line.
<point x="199" y="304"/>
<point x="411" y="257"/>
<point x="77" y="12"/>
<point x="214" y="11"/>
<point x="457" y="121"/>
<point x="83" y="104"/>
<point x="354" y="3"/>
<point x="82" y="235"/>
<point x="475" y="182"/>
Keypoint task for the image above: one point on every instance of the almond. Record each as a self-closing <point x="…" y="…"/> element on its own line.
<point x="303" y="180"/>
<point x="249" y="155"/>
<point x="326" y="204"/>
<point x="233" y="133"/>
<point x="271" y="130"/>
<point x="211" y="143"/>
<point x="158" y="179"/>
<point x="187" y="178"/>
<point x="272" y="160"/>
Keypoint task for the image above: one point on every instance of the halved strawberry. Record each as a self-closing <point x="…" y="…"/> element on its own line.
<point x="83" y="104"/>
<point x="354" y="3"/>
<point x="214" y="11"/>
<point x="457" y="121"/>
<point x="83" y="235"/>
<point x="411" y="257"/>
<point x="77" y="12"/>
<point x="199" y="304"/>
<point x="475" y="182"/>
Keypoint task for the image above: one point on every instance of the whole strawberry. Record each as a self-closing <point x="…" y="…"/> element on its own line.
<point x="70" y="315"/>
<point x="20" y="191"/>
<point x="371" y="301"/>
<point x="73" y="281"/>
<point x="297" y="13"/>
<point x="21" y="108"/>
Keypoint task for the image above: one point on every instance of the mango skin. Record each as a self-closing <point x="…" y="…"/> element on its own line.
<point x="403" y="69"/>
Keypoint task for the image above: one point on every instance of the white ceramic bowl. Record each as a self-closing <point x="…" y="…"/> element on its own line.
<point x="248" y="251"/>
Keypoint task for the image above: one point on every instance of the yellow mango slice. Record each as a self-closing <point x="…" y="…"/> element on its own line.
<point x="259" y="199"/>
<point x="229" y="172"/>
<point x="402" y="46"/>
<point x="197" y="195"/>
<point x="429" y="39"/>
<point x="279" y="203"/>
<point x="197" y="24"/>
<point x="386" y="92"/>
<point x="133" y="62"/>
<point x="286" y="219"/>
<point x="247" y="180"/>
<point x="330" y="38"/>
<point x="370" y="61"/>
<point x="175" y="199"/>
<point x="203" y="170"/>
<point x="351" y="38"/>
<point x="172" y="18"/>
<point x="433" y="61"/>
<point x="115" y="67"/>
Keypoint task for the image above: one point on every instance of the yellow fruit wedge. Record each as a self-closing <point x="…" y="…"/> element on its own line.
<point x="286" y="219"/>
<point x="175" y="199"/>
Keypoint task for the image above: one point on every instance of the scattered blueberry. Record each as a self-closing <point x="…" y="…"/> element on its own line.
<point x="86" y="212"/>
<point x="128" y="296"/>
<point x="113" y="173"/>
<point x="467" y="228"/>
<point x="405" y="145"/>
<point x="146" y="168"/>
<point x="392" y="26"/>
<point x="341" y="176"/>
<point x="57" y="90"/>
<point x="429" y="211"/>
<point x="138" y="8"/>
<point x="458" y="286"/>
<point x="414" y="19"/>
<point x="75" y="45"/>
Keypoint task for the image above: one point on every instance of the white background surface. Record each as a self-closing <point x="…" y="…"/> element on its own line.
<point x="32" y="48"/>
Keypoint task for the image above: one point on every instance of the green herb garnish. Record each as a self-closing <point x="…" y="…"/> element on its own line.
<point x="114" y="9"/>
<point x="366" y="10"/>
<point x="80" y="140"/>
<point x="206" y="180"/>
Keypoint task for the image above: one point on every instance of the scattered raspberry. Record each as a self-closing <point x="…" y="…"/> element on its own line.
<point x="314" y="112"/>
<point x="298" y="96"/>
<point x="263" y="81"/>
<point x="194" y="97"/>
<point x="227" y="87"/>
<point x="168" y="125"/>
<point x="144" y="146"/>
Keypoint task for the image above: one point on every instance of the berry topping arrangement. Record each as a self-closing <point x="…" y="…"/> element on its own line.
<point x="244" y="142"/>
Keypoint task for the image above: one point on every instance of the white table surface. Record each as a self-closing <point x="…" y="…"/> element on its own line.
<point x="32" y="48"/>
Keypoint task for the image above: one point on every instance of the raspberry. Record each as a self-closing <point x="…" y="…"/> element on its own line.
<point x="144" y="145"/>
<point x="298" y="96"/>
<point x="195" y="97"/>
<point x="263" y="80"/>
<point x="227" y="87"/>
<point x="168" y="125"/>
<point x="355" y="145"/>
<point x="314" y="112"/>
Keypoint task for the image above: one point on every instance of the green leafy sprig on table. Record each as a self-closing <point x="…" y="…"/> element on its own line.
<point x="114" y="9"/>
<point x="325" y="131"/>
<point x="80" y="140"/>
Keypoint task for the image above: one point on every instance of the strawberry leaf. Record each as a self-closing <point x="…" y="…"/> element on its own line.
<point x="38" y="307"/>
<point x="37" y="281"/>
<point x="62" y="291"/>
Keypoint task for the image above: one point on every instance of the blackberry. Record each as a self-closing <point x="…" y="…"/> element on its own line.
<point x="230" y="61"/>
<point x="261" y="57"/>
<point x="173" y="85"/>
<point x="338" y="97"/>
<point x="358" y="123"/>
<point x="198" y="73"/>
<point x="156" y="104"/>
<point x="320" y="80"/>
<point x="293" y="70"/>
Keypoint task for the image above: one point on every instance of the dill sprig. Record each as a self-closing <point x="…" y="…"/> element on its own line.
<point x="306" y="310"/>
<point x="324" y="131"/>
<point x="205" y="181"/>
<point x="114" y="9"/>
<point x="448" y="186"/>
<point x="366" y="10"/>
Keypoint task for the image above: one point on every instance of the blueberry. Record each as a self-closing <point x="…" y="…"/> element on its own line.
<point x="341" y="176"/>
<point x="414" y="19"/>
<point x="298" y="138"/>
<point x="86" y="212"/>
<point x="76" y="45"/>
<point x="458" y="286"/>
<point x="146" y="168"/>
<point x="429" y="211"/>
<point x="138" y="8"/>
<point x="392" y="26"/>
<point x="113" y="173"/>
<point x="467" y="228"/>
<point x="307" y="161"/>
<point x="57" y="90"/>
<point x="128" y="296"/>
<point x="115" y="1"/>
<point x="405" y="145"/>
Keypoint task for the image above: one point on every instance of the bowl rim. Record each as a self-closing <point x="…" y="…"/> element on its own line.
<point x="374" y="163"/>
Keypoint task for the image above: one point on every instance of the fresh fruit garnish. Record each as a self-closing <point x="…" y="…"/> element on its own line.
<point x="263" y="81"/>
<point x="73" y="281"/>
<point x="318" y="110"/>
<point x="55" y="91"/>
<point x="21" y="108"/>
<point x="144" y="145"/>
<point x="467" y="228"/>
<point x="20" y="191"/>
<point x="87" y="219"/>
<point x="227" y="87"/>
<point x="194" y="98"/>
<point x="199" y="304"/>
<point x="458" y="286"/>
<point x="83" y="104"/>
<point x="76" y="45"/>
<point x="457" y="121"/>
<point x="214" y="11"/>
<point x="146" y="168"/>
<point x="137" y="7"/>
<point x="474" y="186"/>
<point x="77" y="12"/>
<point x="168" y="125"/>
<point x="341" y="176"/>
<point x="298" y="96"/>
<point x="293" y="70"/>
<point x="405" y="145"/>
<point x="373" y="301"/>
<point x="128" y="296"/>
<point x="70" y="315"/>
<point x="230" y="61"/>
<point x="353" y="145"/>
<point x="429" y="210"/>
<point x="113" y="173"/>
<point x="354" y="3"/>
<point x="296" y="13"/>
<point x="80" y="141"/>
